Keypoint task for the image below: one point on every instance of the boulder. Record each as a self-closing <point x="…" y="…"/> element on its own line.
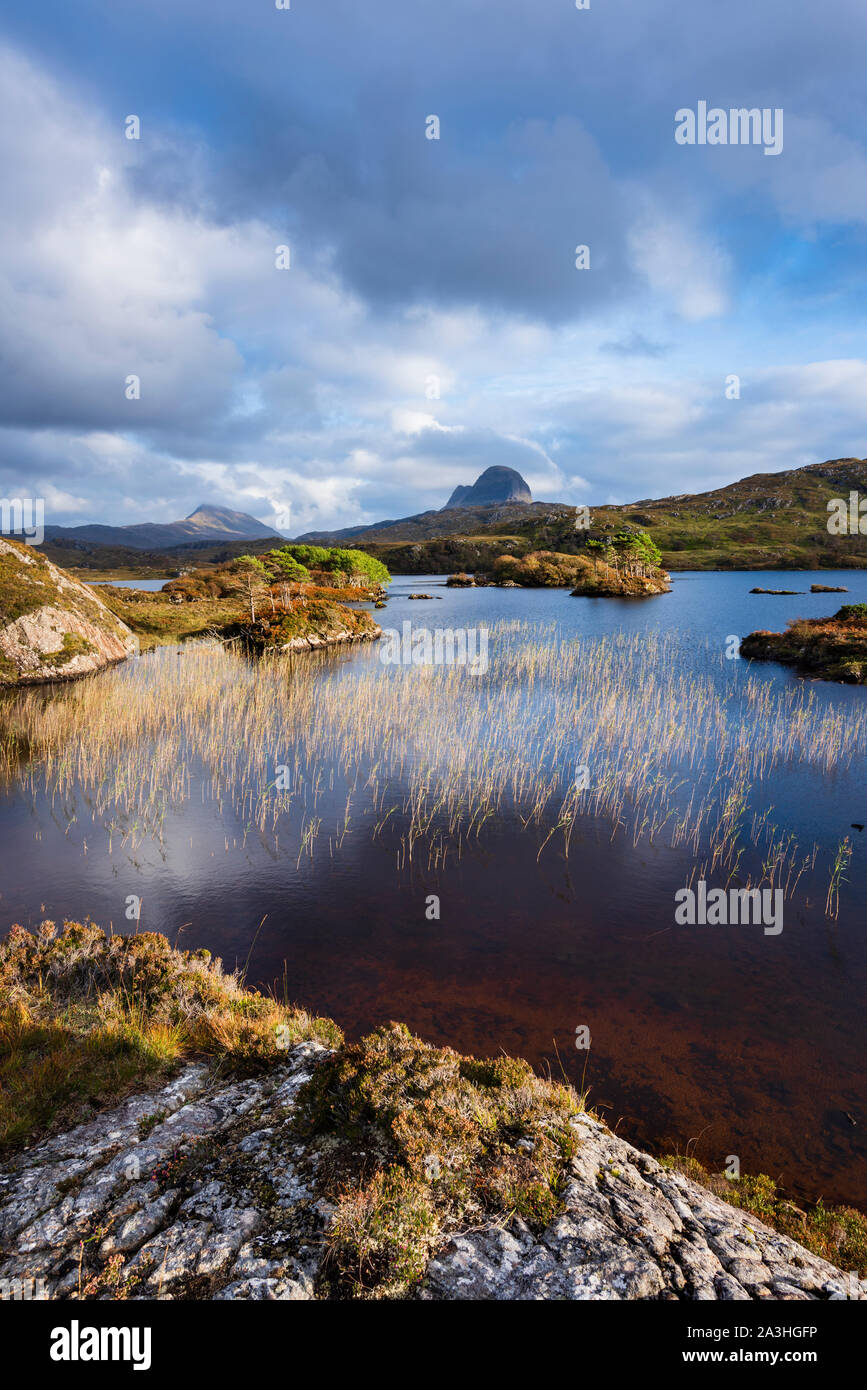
<point x="53" y="628"/>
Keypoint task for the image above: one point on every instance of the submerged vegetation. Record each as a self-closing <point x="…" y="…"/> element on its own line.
<point x="407" y="1143"/>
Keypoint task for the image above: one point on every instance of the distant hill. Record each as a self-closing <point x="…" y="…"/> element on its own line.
<point x="204" y="524"/>
<point x="448" y="521"/>
<point x="495" y="486"/>
<point x="493" y="497"/>
<point x="765" y="521"/>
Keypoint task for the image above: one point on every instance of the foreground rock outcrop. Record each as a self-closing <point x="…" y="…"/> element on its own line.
<point x="208" y="1189"/>
<point x="52" y="628"/>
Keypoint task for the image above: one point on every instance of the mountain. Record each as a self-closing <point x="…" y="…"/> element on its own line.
<point x="204" y="524"/>
<point x="496" y="485"/>
<point x="490" y="500"/>
<point x="765" y="521"/>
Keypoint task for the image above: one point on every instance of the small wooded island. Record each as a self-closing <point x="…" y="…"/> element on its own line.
<point x="623" y="566"/>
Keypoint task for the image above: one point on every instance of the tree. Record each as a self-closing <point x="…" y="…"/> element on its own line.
<point x="254" y="577"/>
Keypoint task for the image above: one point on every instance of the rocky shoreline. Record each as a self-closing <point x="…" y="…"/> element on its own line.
<point x="833" y="649"/>
<point x="52" y="628"/>
<point x="203" y="1190"/>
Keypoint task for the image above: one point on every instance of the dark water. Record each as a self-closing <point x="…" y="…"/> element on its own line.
<point x="724" y="1039"/>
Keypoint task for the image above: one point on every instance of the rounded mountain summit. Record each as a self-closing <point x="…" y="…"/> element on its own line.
<point x="492" y="487"/>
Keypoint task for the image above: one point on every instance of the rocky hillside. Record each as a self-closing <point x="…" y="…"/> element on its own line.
<point x="51" y="626"/>
<point x="243" y="1150"/>
<point x="766" y="521"/>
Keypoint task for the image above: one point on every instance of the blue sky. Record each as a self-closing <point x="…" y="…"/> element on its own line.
<point x="308" y="396"/>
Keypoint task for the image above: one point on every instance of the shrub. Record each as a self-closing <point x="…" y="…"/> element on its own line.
<point x="852" y="613"/>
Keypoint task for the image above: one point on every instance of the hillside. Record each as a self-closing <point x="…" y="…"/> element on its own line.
<point x="766" y="521"/>
<point x="203" y="524"/>
<point x="123" y="560"/>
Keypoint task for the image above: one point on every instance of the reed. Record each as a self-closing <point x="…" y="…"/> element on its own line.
<point x="430" y="758"/>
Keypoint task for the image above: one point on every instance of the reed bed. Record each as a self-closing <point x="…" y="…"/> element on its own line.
<point x="427" y="758"/>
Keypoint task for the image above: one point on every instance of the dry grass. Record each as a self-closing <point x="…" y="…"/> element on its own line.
<point x="413" y="1141"/>
<point x="87" y="1018"/>
<point x="429" y="756"/>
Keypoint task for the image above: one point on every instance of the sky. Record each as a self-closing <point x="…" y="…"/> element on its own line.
<point x="432" y="320"/>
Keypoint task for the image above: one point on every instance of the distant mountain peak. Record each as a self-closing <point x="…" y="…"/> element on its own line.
<point x="210" y="518"/>
<point x="206" y="523"/>
<point x="495" y="486"/>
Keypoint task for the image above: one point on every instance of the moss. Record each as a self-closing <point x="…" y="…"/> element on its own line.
<point x="24" y="587"/>
<point x="316" y="618"/>
<point x="73" y="645"/>
<point x="415" y="1141"/>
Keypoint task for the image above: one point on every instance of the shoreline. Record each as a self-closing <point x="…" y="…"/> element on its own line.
<point x="268" y="1157"/>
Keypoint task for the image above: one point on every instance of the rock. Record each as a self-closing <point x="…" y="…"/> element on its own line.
<point x="495" y="486"/>
<point x="828" y="589"/>
<point x="632" y="1229"/>
<point x="218" y="1201"/>
<point x="52" y="628"/>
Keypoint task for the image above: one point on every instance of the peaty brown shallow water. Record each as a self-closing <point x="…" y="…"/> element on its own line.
<point x="719" y="1040"/>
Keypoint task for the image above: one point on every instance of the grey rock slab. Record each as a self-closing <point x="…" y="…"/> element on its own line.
<point x="204" y="1189"/>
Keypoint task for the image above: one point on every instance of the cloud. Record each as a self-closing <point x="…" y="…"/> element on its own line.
<point x="635" y="345"/>
<point x="433" y="321"/>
